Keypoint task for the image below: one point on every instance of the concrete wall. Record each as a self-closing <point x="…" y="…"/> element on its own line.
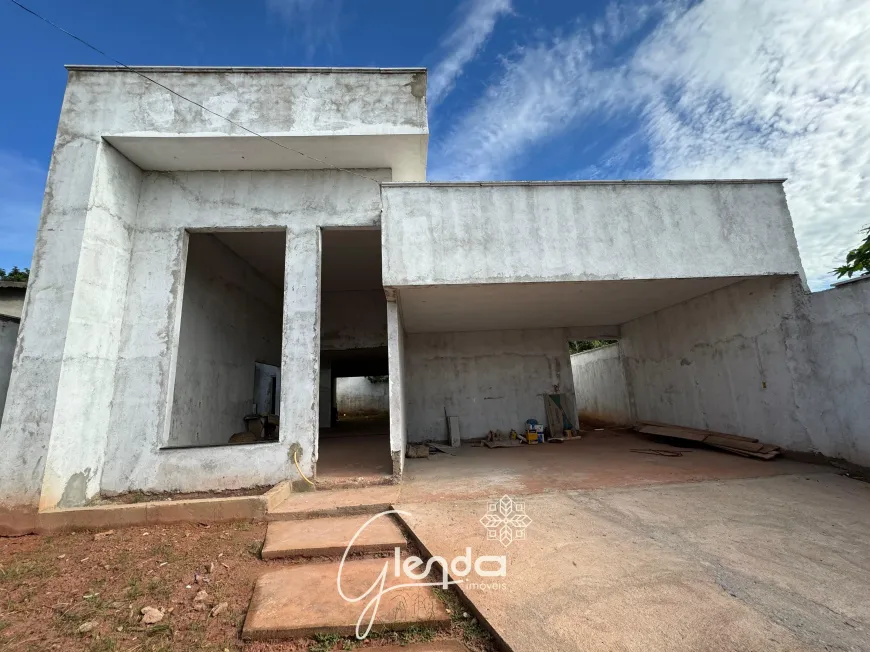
<point x="353" y="320"/>
<point x="490" y="379"/>
<point x="8" y="337"/>
<point x="600" y="389"/>
<point x="515" y="232"/>
<point x="11" y="299"/>
<point x="230" y="318"/>
<point x="358" y="395"/>
<point x="761" y="358"/>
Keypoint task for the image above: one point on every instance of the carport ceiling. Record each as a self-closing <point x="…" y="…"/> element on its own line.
<point x="263" y="250"/>
<point x="511" y="306"/>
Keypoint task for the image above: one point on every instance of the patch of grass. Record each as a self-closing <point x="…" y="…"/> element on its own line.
<point x="256" y="548"/>
<point x="3" y="625"/>
<point x="164" y="552"/>
<point x="158" y="589"/>
<point x="20" y="570"/>
<point x="324" y="642"/>
<point x="102" y="645"/>
<point x="417" y="634"/>
<point x="242" y="526"/>
<point x="160" y="629"/>
<point x="134" y="590"/>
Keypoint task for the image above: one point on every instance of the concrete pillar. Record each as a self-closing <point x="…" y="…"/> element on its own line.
<point x="30" y="399"/>
<point x="396" y="353"/>
<point x="77" y="447"/>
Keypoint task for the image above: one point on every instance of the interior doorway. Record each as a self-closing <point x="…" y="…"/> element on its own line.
<point x="354" y="444"/>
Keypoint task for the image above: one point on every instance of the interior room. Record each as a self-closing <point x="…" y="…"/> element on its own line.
<point x="227" y="372"/>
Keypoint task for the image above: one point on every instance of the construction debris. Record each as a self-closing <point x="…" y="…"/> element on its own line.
<point x="736" y="444"/>
<point x="417" y="450"/>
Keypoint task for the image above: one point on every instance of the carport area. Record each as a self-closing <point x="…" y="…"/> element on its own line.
<point x="629" y="551"/>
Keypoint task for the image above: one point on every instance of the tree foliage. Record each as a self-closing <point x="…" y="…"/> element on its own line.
<point x="15" y="274"/>
<point x="857" y="260"/>
<point x="585" y="345"/>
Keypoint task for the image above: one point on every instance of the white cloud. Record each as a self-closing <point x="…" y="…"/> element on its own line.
<point x="724" y="89"/>
<point x="22" y="183"/>
<point x="463" y="44"/>
<point x="316" y="22"/>
<point x="542" y="90"/>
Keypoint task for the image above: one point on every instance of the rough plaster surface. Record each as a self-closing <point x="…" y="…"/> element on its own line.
<point x="600" y="389"/>
<point x="779" y="564"/>
<point x="8" y="337"/>
<point x="761" y="358"/>
<point x="527" y="233"/>
<point x="358" y="395"/>
<point x="353" y="320"/>
<point x="398" y="387"/>
<point x="231" y="317"/>
<point x="490" y="380"/>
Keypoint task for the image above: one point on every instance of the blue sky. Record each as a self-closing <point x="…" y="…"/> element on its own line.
<point x="518" y="89"/>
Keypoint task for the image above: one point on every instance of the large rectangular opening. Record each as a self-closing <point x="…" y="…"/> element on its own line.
<point x="354" y="444"/>
<point x="228" y="366"/>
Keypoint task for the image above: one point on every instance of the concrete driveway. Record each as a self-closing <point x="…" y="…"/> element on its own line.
<point x="771" y="563"/>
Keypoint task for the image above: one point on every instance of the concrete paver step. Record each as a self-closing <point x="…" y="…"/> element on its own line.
<point x="335" y="502"/>
<point x="447" y="645"/>
<point x="303" y="600"/>
<point x="329" y="537"/>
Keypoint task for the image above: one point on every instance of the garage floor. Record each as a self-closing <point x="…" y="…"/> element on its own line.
<point x="601" y="459"/>
<point x="669" y="554"/>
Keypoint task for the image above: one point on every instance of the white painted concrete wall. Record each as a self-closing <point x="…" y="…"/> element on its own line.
<point x="491" y="380"/>
<point x="514" y="232"/>
<point x="8" y="337"/>
<point x="358" y="395"/>
<point x="600" y="389"/>
<point x="761" y="358"/>
<point x="231" y="317"/>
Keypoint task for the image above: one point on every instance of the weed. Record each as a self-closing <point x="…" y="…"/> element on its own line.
<point x="242" y="526"/>
<point x="160" y="629"/>
<point x="415" y="634"/>
<point x="255" y="548"/>
<point x="3" y="625"/>
<point x="133" y="589"/>
<point x="324" y="642"/>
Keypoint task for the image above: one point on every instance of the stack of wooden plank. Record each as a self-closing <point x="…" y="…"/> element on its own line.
<point x="745" y="446"/>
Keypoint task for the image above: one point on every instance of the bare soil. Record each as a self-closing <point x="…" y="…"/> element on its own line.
<point x="51" y="586"/>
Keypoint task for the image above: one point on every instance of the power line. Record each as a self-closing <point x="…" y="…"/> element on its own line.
<point x="187" y="99"/>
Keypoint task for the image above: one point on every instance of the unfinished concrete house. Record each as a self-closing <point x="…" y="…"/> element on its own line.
<point x="200" y="284"/>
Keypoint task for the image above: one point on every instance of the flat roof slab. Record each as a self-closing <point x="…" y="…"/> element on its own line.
<point x="508" y="306"/>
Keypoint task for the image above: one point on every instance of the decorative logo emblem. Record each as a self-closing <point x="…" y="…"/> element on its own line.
<point x="506" y="520"/>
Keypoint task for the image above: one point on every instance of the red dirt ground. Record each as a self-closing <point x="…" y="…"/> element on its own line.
<point x="51" y="585"/>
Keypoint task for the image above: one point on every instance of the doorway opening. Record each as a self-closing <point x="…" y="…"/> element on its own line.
<point x="354" y="444"/>
<point x="227" y="387"/>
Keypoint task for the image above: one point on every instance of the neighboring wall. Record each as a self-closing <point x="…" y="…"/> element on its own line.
<point x="12" y="298"/>
<point x="491" y="380"/>
<point x="359" y="395"/>
<point x="599" y="385"/>
<point x="230" y="318"/>
<point x="584" y="231"/>
<point x="8" y="336"/>
<point x="761" y="358"/>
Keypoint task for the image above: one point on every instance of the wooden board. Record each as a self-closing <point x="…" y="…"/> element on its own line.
<point x="697" y="431"/>
<point x="450" y="450"/>
<point x="513" y="443"/>
<point x="672" y="432"/>
<point x="453" y="429"/>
